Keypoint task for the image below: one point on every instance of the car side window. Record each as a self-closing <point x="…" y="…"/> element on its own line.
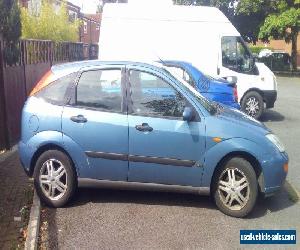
<point x="55" y="92"/>
<point x="100" y="89"/>
<point x="152" y="96"/>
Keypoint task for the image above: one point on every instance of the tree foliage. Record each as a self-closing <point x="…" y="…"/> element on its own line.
<point x="282" y="20"/>
<point x="10" y="29"/>
<point x="49" y="24"/>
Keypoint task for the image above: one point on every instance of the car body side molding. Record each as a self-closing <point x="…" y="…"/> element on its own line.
<point x="139" y="158"/>
<point x="108" y="156"/>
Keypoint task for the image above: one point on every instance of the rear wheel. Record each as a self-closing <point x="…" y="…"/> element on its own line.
<point x="54" y="178"/>
<point x="253" y="104"/>
<point x="235" y="188"/>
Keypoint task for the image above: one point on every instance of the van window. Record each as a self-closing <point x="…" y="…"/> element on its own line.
<point x="235" y="54"/>
<point x="100" y="89"/>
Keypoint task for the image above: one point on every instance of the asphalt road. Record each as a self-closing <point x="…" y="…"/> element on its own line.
<point x="284" y="120"/>
<point x="106" y="219"/>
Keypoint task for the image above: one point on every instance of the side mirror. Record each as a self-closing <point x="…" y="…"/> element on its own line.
<point x="187" y="114"/>
<point x="231" y="79"/>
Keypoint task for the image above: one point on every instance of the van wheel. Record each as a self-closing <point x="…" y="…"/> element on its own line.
<point x="54" y="178"/>
<point x="235" y="188"/>
<point x="252" y="104"/>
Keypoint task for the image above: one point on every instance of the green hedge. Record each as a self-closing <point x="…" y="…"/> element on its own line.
<point x="257" y="49"/>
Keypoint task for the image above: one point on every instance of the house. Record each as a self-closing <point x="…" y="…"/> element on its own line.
<point x="90" y="29"/>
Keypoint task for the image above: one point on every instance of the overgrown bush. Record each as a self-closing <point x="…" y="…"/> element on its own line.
<point x="10" y="30"/>
<point x="49" y="24"/>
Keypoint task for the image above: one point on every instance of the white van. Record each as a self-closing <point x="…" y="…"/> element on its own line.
<point x="200" y="35"/>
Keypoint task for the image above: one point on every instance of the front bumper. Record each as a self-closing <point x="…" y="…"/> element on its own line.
<point x="274" y="173"/>
<point x="269" y="96"/>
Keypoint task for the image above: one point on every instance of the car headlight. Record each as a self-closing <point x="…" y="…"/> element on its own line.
<point x="275" y="140"/>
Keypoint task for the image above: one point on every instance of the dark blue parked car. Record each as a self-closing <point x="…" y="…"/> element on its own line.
<point x="135" y="125"/>
<point x="215" y="89"/>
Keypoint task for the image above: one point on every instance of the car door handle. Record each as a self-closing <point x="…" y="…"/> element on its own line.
<point x="144" y="127"/>
<point x="79" y="119"/>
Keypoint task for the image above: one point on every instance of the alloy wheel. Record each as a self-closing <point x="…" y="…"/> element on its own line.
<point x="252" y="106"/>
<point x="53" y="179"/>
<point x="233" y="189"/>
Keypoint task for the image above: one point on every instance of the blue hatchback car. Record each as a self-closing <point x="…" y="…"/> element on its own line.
<point x="214" y="89"/>
<point x="135" y="125"/>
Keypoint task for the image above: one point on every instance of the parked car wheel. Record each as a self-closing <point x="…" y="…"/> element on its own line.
<point x="54" y="178"/>
<point x="253" y="104"/>
<point x="235" y="188"/>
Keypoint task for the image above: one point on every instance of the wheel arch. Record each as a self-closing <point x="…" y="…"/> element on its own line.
<point x="248" y="157"/>
<point x="44" y="148"/>
<point x="255" y="90"/>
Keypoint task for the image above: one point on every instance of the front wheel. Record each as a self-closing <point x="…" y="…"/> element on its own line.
<point x="252" y="104"/>
<point x="54" y="178"/>
<point x="235" y="188"/>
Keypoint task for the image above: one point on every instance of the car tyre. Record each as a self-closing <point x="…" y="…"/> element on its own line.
<point x="235" y="188"/>
<point x="253" y="104"/>
<point x="54" y="178"/>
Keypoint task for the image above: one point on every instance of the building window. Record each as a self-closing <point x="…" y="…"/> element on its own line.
<point x="72" y="16"/>
<point x="97" y="27"/>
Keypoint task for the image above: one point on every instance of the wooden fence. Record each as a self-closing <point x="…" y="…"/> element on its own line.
<point x="17" y="81"/>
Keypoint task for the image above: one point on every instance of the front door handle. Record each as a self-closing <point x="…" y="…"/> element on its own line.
<point x="144" y="127"/>
<point x="78" y="119"/>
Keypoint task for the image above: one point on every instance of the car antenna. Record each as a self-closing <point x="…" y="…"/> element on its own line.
<point x="161" y="60"/>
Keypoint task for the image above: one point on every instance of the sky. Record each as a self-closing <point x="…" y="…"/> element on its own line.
<point x="90" y="6"/>
<point x="87" y="6"/>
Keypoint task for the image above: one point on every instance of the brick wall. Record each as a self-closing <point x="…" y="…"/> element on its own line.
<point x="90" y="29"/>
<point x="282" y="45"/>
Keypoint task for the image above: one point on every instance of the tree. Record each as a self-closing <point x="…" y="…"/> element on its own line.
<point x="10" y="29"/>
<point x="49" y="24"/>
<point x="282" y="20"/>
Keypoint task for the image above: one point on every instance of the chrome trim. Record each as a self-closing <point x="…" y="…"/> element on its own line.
<point x="86" y="182"/>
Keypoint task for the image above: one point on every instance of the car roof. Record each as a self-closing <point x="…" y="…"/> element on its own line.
<point x="72" y="67"/>
<point x="176" y="62"/>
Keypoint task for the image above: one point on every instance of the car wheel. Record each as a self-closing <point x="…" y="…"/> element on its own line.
<point x="235" y="188"/>
<point x="253" y="104"/>
<point x="54" y="178"/>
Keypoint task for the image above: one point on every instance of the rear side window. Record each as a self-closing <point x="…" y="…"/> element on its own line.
<point x="100" y="89"/>
<point x="55" y="92"/>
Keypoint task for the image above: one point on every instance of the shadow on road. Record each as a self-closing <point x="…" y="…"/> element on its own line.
<point x="86" y="195"/>
<point x="263" y="206"/>
<point x="272" y="116"/>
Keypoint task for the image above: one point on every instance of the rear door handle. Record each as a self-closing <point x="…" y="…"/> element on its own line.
<point x="144" y="127"/>
<point x="78" y="119"/>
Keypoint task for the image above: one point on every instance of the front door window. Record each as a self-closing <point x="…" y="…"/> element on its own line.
<point x="152" y="96"/>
